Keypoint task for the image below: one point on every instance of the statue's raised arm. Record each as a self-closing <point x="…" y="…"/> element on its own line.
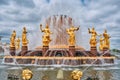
<point x="89" y="30"/>
<point x="41" y="28"/>
<point x="77" y="28"/>
<point x="12" y="39"/>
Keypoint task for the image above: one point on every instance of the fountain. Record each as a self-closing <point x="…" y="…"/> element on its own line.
<point x="58" y="51"/>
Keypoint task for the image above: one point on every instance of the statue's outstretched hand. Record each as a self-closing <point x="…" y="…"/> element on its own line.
<point x="89" y="30"/>
<point x="41" y="27"/>
<point x="78" y="27"/>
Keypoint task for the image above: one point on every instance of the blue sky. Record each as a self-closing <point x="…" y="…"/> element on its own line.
<point x="102" y="14"/>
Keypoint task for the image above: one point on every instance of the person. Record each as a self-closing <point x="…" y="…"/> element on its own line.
<point x="12" y="39"/>
<point x="106" y="39"/>
<point x="46" y="37"/>
<point x="93" y="40"/>
<point x="24" y="37"/>
<point x="71" y="33"/>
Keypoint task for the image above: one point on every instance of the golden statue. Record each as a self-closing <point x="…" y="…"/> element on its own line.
<point x="101" y="43"/>
<point x="60" y="74"/>
<point x="24" y="37"/>
<point x="46" y="37"/>
<point x="76" y="74"/>
<point x="27" y="74"/>
<point x="106" y="39"/>
<point x="18" y="43"/>
<point x="93" y="40"/>
<point x="71" y="33"/>
<point x="12" y="39"/>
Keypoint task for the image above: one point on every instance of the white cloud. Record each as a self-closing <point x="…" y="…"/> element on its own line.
<point x="98" y="13"/>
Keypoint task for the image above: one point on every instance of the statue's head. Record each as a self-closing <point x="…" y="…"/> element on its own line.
<point x="24" y="28"/>
<point x="72" y="26"/>
<point x="40" y="24"/>
<point x="14" y="31"/>
<point x="105" y="31"/>
<point x="93" y="28"/>
<point x="47" y="26"/>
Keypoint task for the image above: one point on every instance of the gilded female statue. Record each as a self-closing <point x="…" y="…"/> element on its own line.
<point x="46" y="37"/>
<point x="93" y="40"/>
<point x="24" y="37"/>
<point x="18" y="43"/>
<point x="71" y="33"/>
<point x="106" y="39"/>
<point x="12" y="39"/>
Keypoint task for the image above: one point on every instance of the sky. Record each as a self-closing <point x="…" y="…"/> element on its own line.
<point x="101" y="14"/>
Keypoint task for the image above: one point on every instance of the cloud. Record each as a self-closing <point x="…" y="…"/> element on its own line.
<point x="25" y="3"/>
<point x="4" y="2"/>
<point x="102" y="14"/>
